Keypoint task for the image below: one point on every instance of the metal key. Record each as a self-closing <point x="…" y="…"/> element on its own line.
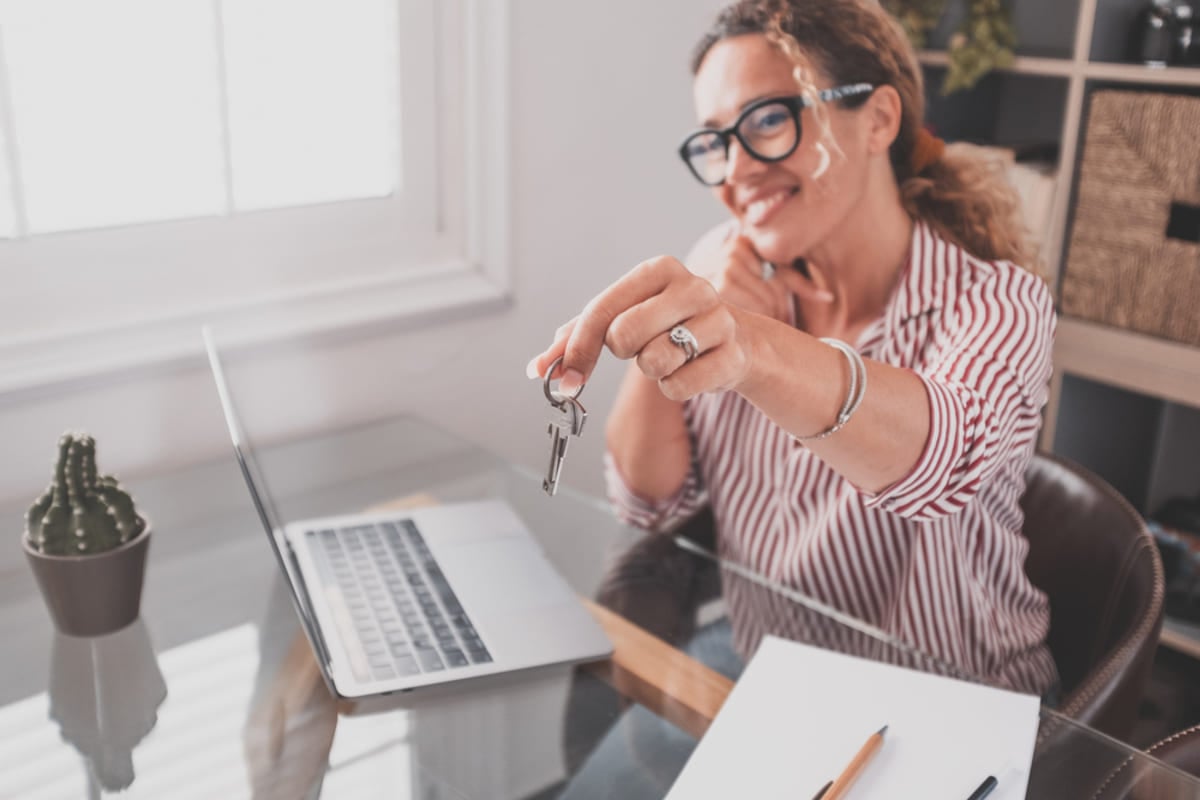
<point x="566" y="420"/>
<point x="567" y="416"/>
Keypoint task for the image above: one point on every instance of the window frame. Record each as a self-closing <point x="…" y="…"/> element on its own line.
<point x="302" y="271"/>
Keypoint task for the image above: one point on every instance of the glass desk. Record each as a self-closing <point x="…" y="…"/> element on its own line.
<point x="213" y="692"/>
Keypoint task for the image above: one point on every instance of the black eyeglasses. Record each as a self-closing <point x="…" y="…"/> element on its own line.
<point x="768" y="130"/>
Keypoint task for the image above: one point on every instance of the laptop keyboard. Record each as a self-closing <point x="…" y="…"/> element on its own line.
<point x="407" y="617"/>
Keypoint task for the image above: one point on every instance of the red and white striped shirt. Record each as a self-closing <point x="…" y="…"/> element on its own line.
<point x="937" y="559"/>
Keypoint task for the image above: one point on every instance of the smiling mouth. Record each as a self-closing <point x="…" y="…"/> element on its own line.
<point x="760" y="210"/>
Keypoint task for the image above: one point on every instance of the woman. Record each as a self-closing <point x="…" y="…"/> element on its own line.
<point x="856" y="389"/>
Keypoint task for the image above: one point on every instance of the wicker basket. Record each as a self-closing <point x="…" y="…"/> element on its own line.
<point x="1134" y="258"/>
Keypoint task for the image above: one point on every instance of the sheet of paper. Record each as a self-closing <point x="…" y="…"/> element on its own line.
<point x="798" y="714"/>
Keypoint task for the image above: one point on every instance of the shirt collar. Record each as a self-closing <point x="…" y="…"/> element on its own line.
<point x="930" y="276"/>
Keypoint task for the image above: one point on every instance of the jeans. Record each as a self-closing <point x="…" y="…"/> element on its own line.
<point x="642" y="754"/>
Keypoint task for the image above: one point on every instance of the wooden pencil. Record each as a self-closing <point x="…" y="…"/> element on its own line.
<point x="850" y="774"/>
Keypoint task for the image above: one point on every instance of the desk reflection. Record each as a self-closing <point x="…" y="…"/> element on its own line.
<point x="105" y="692"/>
<point x="289" y="730"/>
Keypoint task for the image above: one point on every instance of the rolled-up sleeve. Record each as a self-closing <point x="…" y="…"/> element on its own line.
<point x="657" y="516"/>
<point x="986" y="382"/>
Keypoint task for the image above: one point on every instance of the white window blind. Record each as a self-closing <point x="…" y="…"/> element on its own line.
<point x="132" y="111"/>
<point x="180" y="161"/>
<point x="305" y="129"/>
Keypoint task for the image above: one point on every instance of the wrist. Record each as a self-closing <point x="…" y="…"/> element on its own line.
<point x="796" y="380"/>
<point x="755" y="341"/>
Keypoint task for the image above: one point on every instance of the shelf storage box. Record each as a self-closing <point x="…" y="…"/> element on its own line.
<point x="1134" y="255"/>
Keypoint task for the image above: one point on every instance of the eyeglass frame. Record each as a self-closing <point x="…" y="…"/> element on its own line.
<point x="793" y="103"/>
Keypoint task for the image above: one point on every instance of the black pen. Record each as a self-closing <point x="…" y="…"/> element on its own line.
<point x="984" y="789"/>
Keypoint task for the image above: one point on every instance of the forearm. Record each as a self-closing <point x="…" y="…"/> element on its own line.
<point x="801" y="384"/>
<point x="647" y="438"/>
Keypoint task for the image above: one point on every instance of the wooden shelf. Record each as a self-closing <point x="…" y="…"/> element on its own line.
<point x="1027" y="109"/>
<point x="1138" y="73"/>
<point x="1092" y="70"/>
<point x="1025" y="65"/>
<point x="1133" y="361"/>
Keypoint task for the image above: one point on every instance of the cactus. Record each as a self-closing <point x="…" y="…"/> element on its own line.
<point x="81" y="513"/>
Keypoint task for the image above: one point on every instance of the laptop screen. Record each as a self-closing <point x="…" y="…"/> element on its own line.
<point x="263" y="503"/>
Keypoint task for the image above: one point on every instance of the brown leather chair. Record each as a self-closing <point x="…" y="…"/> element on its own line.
<point x="1137" y="780"/>
<point x="1180" y="750"/>
<point x="1093" y="556"/>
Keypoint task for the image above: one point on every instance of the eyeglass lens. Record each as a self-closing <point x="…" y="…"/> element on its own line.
<point x="769" y="132"/>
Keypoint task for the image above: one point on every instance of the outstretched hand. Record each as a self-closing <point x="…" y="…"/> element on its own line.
<point x="634" y="318"/>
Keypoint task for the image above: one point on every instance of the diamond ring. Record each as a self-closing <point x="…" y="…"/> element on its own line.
<point x="684" y="339"/>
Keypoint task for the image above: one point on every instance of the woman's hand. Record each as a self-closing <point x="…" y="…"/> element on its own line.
<point x="739" y="280"/>
<point x="737" y="271"/>
<point x="634" y="317"/>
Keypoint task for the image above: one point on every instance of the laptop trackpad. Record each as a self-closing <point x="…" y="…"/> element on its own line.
<point x="506" y="575"/>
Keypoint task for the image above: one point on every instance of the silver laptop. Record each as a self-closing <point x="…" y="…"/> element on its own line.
<point x="397" y="601"/>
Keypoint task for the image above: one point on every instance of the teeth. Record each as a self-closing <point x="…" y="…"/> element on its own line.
<point x="757" y="210"/>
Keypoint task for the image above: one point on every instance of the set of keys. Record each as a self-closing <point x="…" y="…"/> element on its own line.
<point x="567" y="416"/>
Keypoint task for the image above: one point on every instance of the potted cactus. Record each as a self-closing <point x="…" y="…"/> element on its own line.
<point x="86" y="544"/>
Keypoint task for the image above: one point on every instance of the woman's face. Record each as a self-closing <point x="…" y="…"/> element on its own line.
<point x="782" y="208"/>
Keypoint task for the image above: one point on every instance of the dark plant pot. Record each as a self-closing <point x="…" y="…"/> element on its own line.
<point x="94" y="594"/>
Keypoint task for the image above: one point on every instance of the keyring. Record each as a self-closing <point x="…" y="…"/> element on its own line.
<point x="550" y="395"/>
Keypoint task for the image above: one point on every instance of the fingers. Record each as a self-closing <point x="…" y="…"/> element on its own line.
<point x="740" y="250"/>
<point x="741" y="282"/>
<point x="661" y="357"/>
<point x="792" y="280"/>
<point x="719" y="369"/>
<point x="752" y="293"/>
<point x="634" y="316"/>
<point x="537" y="367"/>
<point x="802" y="286"/>
<point x="633" y="329"/>
<point x="588" y="337"/>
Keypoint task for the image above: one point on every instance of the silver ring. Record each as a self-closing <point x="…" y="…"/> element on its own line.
<point x="768" y="270"/>
<point x="684" y="339"/>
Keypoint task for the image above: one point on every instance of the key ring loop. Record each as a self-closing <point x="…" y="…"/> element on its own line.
<point x="550" y="394"/>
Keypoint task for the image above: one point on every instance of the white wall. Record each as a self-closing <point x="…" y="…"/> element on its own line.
<point x="601" y="97"/>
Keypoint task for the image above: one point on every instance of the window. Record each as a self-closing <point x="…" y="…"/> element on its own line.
<point x="258" y="163"/>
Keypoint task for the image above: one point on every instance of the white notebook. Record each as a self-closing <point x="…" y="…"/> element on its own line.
<point x="798" y="714"/>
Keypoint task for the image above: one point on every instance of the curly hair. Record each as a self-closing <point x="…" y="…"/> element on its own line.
<point x="964" y="195"/>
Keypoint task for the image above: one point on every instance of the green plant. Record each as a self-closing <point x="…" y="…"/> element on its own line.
<point x="985" y="41"/>
<point x="81" y="513"/>
<point x="917" y="17"/>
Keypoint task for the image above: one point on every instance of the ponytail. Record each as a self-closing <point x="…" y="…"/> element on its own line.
<point x="967" y="198"/>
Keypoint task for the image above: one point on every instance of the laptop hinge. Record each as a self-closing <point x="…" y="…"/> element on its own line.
<point x="312" y="631"/>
